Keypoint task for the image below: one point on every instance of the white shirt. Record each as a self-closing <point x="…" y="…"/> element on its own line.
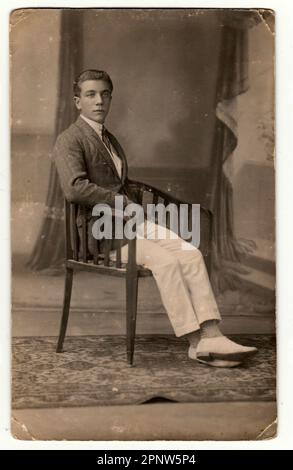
<point x="99" y="130"/>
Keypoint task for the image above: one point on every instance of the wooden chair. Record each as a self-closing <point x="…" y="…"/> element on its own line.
<point x="78" y="258"/>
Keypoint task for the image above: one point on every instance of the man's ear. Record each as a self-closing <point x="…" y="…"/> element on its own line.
<point x="76" y="100"/>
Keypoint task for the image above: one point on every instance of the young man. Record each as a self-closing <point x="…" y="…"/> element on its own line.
<point x="92" y="169"/>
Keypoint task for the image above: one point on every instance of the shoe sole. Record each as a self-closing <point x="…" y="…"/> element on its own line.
<point x="240" y="356"/>
<point x="220" y="363"/>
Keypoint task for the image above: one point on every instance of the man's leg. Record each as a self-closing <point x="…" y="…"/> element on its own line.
<point x="174" y="293"/>
<point x="210" y="344"/>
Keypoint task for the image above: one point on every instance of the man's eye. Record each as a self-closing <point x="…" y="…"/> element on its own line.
<point x="106" y="94"/>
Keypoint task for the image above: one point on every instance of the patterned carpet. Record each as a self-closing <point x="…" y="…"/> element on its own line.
<point x="93" y="371"/>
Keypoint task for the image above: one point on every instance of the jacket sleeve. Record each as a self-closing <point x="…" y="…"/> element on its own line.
<point x="72" y="172"/>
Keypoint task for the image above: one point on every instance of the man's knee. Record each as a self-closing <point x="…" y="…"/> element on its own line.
<point x="191" y="255"/>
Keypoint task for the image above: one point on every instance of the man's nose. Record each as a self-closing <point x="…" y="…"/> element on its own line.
<point x="99" y="98"/>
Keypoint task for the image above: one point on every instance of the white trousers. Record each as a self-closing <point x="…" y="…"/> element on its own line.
<point x="180" y="273"/>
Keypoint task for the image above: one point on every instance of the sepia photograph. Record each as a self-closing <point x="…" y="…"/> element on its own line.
<point x="143" y="224"/>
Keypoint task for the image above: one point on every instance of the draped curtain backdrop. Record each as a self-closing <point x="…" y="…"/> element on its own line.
<point x="232" y="81"/>
<point x="48" y="253"/>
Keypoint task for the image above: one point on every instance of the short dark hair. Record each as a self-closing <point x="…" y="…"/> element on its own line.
<point x="91" y="74"/>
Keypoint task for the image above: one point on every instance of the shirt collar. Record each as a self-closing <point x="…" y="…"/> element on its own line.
<point x="94" y="125"/>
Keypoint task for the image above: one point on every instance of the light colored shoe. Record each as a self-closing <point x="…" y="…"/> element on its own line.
<point x="211" y="362"/>
<point x="223" y="348"/>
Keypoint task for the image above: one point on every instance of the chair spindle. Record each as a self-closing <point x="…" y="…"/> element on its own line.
<point x="83" y="235"/>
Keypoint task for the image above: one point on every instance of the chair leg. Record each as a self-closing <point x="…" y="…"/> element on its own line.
<point x="131" y="310"/>
<point x="66" y="308"/>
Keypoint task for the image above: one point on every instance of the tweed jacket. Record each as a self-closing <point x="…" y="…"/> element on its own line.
<point x="86" y="170"/>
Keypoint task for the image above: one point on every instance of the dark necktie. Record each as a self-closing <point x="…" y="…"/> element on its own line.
<point x="107" y="143"/>
<point x="106" y="140"/>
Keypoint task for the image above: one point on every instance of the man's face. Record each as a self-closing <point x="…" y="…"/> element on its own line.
<point x="94" y="100"/>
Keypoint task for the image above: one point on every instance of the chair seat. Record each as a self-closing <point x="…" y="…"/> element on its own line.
<point x="100" y="268"/>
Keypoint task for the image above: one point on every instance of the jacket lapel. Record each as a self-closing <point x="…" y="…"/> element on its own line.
<point x="94" y="137"/>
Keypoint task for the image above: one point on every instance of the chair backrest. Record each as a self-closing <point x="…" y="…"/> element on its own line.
<point x="76" y="241"/>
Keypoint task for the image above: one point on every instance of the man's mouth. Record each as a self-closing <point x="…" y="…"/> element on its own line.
<point x="98" y="111"/>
